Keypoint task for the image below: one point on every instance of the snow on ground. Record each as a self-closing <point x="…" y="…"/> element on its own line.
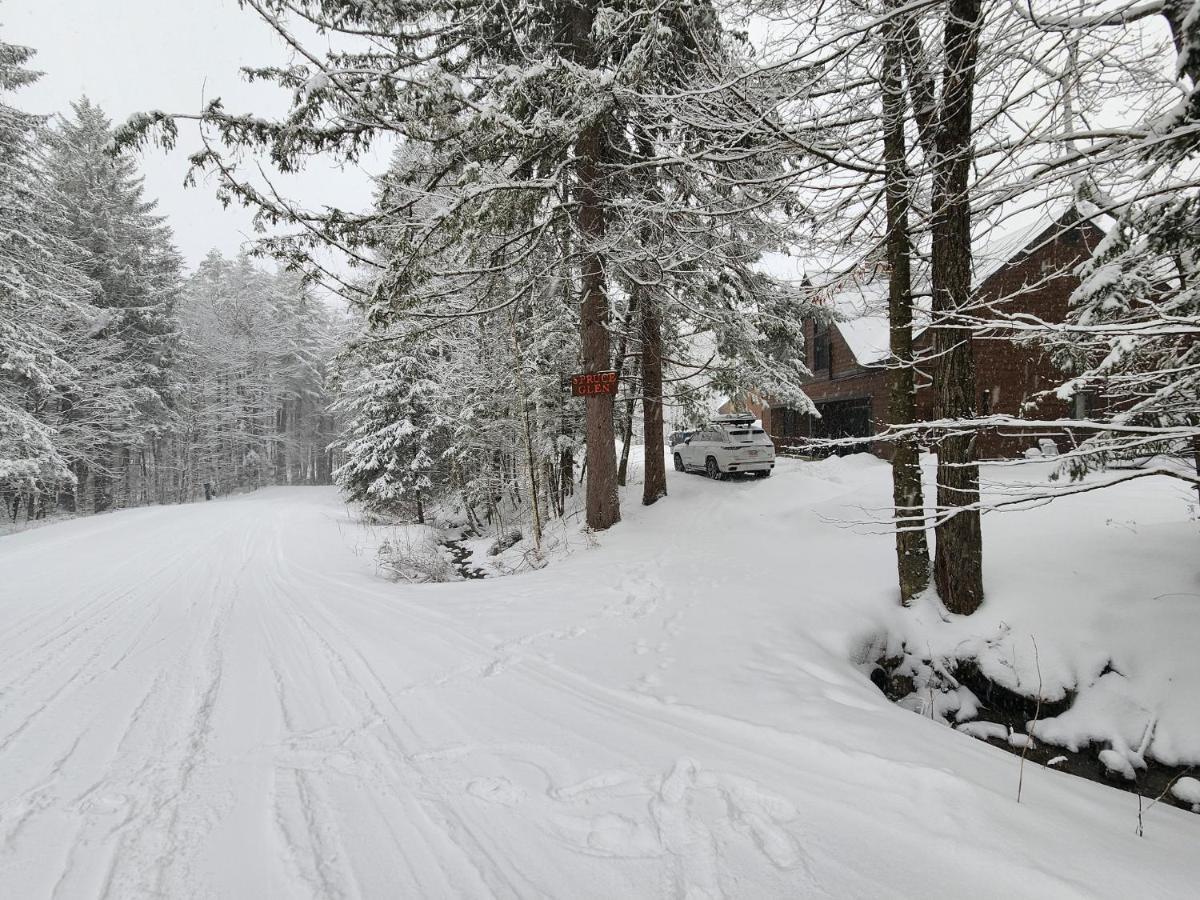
<point x="227" y="700"/>
<point x="1099" y="595"/>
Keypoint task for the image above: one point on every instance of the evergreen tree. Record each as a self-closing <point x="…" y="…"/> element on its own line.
<point x="135" y="271"/>
<point x="524" y="128"/>
<point x="1132" y="342"/>
<point x="44" y="303"/>
<point x="398" y="430"/>
<point x="254" y="355"/>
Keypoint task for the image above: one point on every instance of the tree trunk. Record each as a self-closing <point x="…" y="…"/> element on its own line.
<point x="627" y="428"/>
<point x="603" y="506"/>
<point x="1196" y="459"/>
<point x="1176" y="13"/>
<point x="912" y="548"/>
<point x="531" y="460"/>
<point x="958" y="558"/>
<point x="566" y="474"/>
<point x="627" y="417"/>
<point x="654" y="485"/>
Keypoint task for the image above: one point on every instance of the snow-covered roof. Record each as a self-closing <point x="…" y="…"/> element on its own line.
<point x="1009" y="229"/>
<point x="1000" y="235"/>
<point x="863" y="324"/>
<point x="1002" y="232"/>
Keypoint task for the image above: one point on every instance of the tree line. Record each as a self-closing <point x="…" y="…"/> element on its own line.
<point x="542" y="215"/>
<point x="591" y="186"/>
<point x="124" y="381"/>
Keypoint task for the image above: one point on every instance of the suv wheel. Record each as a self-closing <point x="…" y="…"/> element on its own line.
<point x="678" y="463"/>
<point x="713" y="470"/>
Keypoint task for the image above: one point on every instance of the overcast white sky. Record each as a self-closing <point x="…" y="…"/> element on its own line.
<point x="135" y="55"/>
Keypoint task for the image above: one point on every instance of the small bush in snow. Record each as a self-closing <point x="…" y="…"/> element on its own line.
<point x="417" y="559"/>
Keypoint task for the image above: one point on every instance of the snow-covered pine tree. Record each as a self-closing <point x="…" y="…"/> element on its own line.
<point x="304" y="428"/>
<point x="701" y="206"/>
<point x="43" y="306"/>
<point x="136" y="272"/>
<point x="398" y="429"/>
<point x="254" y="354"/>
<point x="525" y="112"/>
<point x="510" y="443"/>
<point x="1133" y="344"/>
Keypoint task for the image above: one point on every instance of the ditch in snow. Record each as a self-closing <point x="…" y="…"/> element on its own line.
<point x="967" y="700"/>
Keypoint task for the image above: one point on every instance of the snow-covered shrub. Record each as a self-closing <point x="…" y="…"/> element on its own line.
<point x="414" y="554"/>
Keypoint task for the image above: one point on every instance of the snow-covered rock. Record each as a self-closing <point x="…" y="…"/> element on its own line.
<point x="1021" y="741"/>
<point x="1116" y="764"/>
<point x="985" y="731"/>
<point x="1187" y="789"/>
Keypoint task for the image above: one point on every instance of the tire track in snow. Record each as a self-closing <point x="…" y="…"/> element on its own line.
<point x="133" y="809"/>
<point x="348" y="776"/>
<point x="396" y="797"/>
<point x="667" y="827"/>
<point x="106" y="615"/>
<point x="51" y="613"/>
<point x="312" y="868"/>
<point x="454" y="846"/>
<point x="390" y="764"/>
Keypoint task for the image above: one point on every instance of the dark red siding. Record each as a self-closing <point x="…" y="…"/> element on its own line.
<point x="1012" y="374"/>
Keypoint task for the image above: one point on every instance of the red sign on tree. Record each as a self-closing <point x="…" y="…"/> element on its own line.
<point x="589" y="384"/>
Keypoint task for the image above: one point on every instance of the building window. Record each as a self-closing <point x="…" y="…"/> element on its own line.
<point x="822" y="347"/>
<point x="788" y="423"/>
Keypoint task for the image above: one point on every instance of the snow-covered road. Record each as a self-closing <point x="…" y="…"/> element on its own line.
<point x="224" y="700"/>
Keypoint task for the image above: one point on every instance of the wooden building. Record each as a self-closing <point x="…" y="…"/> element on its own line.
<point x="1025" y="270"/>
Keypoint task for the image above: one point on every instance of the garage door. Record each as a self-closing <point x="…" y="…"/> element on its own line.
<point x="845" y="419"/>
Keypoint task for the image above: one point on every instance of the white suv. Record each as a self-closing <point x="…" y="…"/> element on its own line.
<point x="726" y="446"/>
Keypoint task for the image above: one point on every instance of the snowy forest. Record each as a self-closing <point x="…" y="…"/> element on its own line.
<point x="578" y="189"/>
<point x="734" y="205"/>
<point x="127" y="381"/>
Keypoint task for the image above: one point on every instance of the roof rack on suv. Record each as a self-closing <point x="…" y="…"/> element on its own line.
<point x="735" y="419"/>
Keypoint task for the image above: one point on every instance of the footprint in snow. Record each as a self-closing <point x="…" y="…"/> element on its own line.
<point x="595" y="784"/>
<point x="647" y="683"/>
<point x="496" y="666"/>
<point x="496" y="790"/>
<point x="610" y="834"/>
<point x="104" y="805"/>
<point x="691" y="814"/>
